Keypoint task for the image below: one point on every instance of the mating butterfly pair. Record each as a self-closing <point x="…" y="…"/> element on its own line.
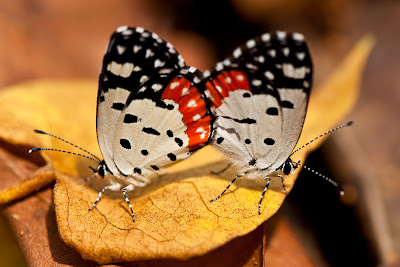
<point x="153" y="110"/>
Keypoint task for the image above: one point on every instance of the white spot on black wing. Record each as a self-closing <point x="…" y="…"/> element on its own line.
<point x="156" y="87"/>
<point x="149" y="53"/>
<point x="272" y="53"/>
<point x="269" y="75"/>
<point x="158" y="63"/>
<point x="121" y="49"/>
<point x="250" y="44"/>
<point x="256" y="83"/>
<point x="266" y="37"/>
<point x="136" y="48"/>
<point x="237" y="53"/>
<point x="298" y="37"/>
<point x="281" y="35"/>
<point x="143" y="79"/>
<point x="139" y="29"/>
<point x="251" y="66"/>
<point x="285" y="51"/>
<point x="219" y="66"/>
<point x="146" y="34"/>
<point x="121" y="28"/>
<point x="300" y="55"/>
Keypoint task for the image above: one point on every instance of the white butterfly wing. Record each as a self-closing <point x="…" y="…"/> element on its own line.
<point x="266" y="81"/>
<point x="132" y="57"/>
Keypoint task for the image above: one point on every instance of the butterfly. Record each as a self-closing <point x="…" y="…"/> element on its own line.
<point x="150" y="112"/>
<point x="259" y="97"/>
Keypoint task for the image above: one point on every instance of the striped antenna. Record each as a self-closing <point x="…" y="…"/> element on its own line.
<point x="325" y="133"/>
<point x="95" y="158"/>
<point x="63" y="151"/>
<point x="325" y="177"/>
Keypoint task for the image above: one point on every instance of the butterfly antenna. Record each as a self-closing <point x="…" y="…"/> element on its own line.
<point x="63" y="151"/>
<point x="325" y="177"/>
<point x="325" y="133"/>
<point x="59" y="138"/>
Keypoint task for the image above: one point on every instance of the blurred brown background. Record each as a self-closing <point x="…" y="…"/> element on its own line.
<point x="46" y="39"/>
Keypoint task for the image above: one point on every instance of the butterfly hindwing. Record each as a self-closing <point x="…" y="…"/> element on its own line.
<point x="162" y="128"/>
<point x="259" y="96"/>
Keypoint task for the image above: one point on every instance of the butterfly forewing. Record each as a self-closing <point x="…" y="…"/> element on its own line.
<point x="259" y="96"/>
<point x="132" y="56"/>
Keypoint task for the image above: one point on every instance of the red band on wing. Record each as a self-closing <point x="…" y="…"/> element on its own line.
<point x="224" y="83"/>
<point x="193" y="108"/>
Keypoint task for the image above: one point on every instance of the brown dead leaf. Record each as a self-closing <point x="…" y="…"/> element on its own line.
<point x="174" y="217"/>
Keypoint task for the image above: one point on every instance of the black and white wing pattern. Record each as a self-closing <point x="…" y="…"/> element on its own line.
<point x="259" y="97"/>
<point x="149" y="110"/>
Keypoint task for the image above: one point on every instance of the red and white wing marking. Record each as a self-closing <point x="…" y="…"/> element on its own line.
<point x="154" y="133"/>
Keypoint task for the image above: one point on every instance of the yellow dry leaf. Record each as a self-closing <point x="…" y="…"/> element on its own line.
<point x="174" y="217"/>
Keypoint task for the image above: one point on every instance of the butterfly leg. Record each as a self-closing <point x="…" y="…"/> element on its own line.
<point x="221" y="171"/>
<point x="128" y="189"/>
<point x="113" y="187"/>
<point x="263" y="193"/>
<point x="239" y="175"/>
<point x="283" y="184"/>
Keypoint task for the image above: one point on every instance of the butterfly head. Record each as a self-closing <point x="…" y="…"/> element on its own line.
<point x="289" y="166"/>
<point x="101" y="169"/>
